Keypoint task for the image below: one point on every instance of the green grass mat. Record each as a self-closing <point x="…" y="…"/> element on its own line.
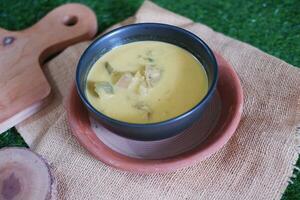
<point x="273" y="26"/>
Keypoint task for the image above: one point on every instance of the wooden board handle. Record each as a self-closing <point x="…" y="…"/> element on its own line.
<point x="22" y="82"/>
<point x="65" y="25"/>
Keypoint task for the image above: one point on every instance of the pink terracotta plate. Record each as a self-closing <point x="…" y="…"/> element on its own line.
<point x="231" y="100"/>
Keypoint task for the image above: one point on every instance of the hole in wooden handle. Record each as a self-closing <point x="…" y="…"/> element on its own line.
<point x="70" y="20"/>
<point x="8" y="40"/>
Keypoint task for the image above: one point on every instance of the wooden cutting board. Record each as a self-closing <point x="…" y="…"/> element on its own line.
<point x="23" y="86"/>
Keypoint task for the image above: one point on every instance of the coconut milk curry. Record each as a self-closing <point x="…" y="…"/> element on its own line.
<point x="146" y="82"/>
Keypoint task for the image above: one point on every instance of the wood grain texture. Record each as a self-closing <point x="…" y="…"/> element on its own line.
<point x="22" y="82"/>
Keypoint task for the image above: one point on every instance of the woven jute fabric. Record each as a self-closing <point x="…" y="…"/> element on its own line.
<point x="255" y="164"/>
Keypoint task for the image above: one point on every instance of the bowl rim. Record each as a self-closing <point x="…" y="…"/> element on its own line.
<point x="209" y="93"/>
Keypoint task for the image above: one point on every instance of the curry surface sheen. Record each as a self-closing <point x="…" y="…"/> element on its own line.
<point x="146" y="82"/>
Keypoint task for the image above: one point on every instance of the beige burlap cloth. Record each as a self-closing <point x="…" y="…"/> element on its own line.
<point x="255" y="164"/>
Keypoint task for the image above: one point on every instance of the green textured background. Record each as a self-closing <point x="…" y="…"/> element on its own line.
<point x="272" y="26"/>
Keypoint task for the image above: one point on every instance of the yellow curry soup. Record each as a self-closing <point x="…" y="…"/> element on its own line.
<point x="146" y="82"/>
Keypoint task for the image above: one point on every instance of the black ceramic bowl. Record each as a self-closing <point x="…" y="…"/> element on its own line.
<point x="142" y="32"/>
